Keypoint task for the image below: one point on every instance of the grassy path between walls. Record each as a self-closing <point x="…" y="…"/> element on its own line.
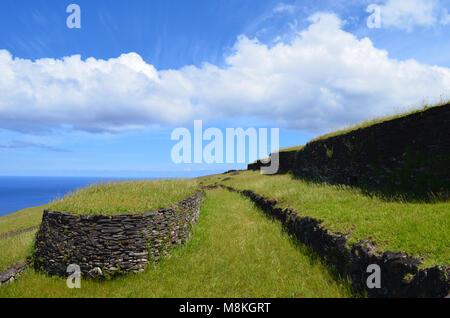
<point x="234" y="251"/>
<point x="419" y="228"/>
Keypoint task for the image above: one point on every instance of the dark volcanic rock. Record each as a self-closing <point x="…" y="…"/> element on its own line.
<point x="410" y="154"/>
<point x="106" y="245"/>
<point x="11" y="273"/>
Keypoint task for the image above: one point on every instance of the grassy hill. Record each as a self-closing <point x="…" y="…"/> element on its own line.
<point x="130" y="197"/>
<point x="235" y="250"/>
<point x="419" y="228"/>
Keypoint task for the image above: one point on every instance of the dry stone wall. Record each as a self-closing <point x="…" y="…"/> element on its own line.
<point x="12" y="272"/>
<point x="286" y="162"/>
<point x="106" y="245"/>
<point x="410" y="154"/>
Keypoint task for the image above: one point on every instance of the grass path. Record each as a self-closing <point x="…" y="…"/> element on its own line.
<point x="420" y="229"/>
<point x="235" y="251"/>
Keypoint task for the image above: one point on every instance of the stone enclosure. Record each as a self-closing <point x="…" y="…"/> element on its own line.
<point x="107" y="245"/>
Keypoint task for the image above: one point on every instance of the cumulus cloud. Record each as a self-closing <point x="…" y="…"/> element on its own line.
<point x="406" y="14"/>
<point x="325" y="77"/>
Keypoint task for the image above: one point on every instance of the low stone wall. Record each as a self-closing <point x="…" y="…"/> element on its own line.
<point x="12" y="272"/>
<point x="400" y="275"/>
<point x="112" y="244"/>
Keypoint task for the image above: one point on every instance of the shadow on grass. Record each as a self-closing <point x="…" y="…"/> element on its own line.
<point x="388" y="193"/>
<point x="315" y="259"/>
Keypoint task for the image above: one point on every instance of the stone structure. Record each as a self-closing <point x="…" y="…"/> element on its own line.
<point x="106" y="245"/>
<point x="286" y="162"/>
<point x="410" y="154"/>
<point x="12" y="272"/>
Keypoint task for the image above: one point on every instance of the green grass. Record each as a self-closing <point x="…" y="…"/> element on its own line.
<point x="234" y="251"/>
<point x="371" y="122"/>
<point x="15" y="249"/>
<point x="295" y="148"/>
<point x="21" y="219"/>
<point x="421" y="229"/>
<point x="129" y="197"/>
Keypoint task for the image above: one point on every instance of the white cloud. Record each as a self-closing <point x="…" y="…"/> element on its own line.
<point x="406" y="14"/>
<point x="283" y="8"/>
<point x="445" y="17"/>
<point x="325" y="78"/>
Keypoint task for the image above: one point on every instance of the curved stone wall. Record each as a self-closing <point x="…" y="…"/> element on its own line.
<point x="110" y="244"/>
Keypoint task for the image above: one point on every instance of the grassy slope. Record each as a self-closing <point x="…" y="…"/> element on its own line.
<point x="22" y="219"/>
<point x="234" y="251"/>
<point x="126" y="197"/>
<point x="421" y="229"/>
<point x="295" y="148"/>
<point x="16" y="249"/>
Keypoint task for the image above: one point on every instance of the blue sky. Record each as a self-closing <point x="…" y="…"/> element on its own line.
<point x="303" y="66"/>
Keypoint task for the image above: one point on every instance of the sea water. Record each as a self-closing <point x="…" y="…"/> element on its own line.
<point x="17" y="193"/>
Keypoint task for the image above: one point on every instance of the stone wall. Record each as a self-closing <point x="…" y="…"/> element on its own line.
<point x="105" y="245"/>
<point x="286" y="162"/>
<point x="12" y="272"/>
<point x="408" y="154"/>
<point x="400" y="273"/>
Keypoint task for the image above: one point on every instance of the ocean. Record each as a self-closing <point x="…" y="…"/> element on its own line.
<point x="17" y="193"/>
